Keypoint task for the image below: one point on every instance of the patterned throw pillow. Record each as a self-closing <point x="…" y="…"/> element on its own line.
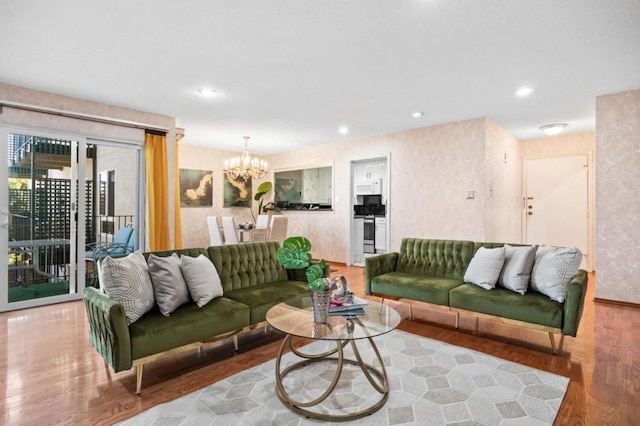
<point x="485" y="266"/>
<point x="553" y="269"/>
<point x="202" y="279"/>
<point x="516" y="271"/>
<point x="169" y="286"/>
<point x="126" y="280"/>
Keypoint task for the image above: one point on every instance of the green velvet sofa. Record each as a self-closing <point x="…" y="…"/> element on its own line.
<point x="252" y="279"/>
<point x="432" y="271"/>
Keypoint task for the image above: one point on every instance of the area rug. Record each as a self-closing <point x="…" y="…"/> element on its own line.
<point x="431" y="382"/>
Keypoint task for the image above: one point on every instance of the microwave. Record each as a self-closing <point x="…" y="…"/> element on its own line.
<point x="372" y="187"/>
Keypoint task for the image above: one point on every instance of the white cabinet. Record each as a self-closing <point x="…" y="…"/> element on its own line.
<point x="357" y="241"/>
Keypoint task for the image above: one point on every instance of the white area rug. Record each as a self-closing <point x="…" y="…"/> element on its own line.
<point x="432" y="383"/>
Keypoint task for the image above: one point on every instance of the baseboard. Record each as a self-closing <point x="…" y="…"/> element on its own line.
<point x="616" y="303"/>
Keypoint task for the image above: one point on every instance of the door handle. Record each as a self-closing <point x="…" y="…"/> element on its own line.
<point x="530" y="213"/>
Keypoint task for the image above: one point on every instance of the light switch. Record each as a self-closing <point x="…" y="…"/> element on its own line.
<point x="471" y="195"/>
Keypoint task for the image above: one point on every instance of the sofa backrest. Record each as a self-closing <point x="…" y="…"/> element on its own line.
<point x="439" y="258"/>
<point x="246" y="265"/>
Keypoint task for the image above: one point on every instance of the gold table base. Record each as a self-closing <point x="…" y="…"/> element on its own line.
<point x="370" y="372"/>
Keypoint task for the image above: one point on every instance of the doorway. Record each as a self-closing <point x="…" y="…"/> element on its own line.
<point x="557" y="204"/>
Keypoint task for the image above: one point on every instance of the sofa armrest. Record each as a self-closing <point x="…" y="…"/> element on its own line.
<point x="378" y="265"/>
<point x="108" y="330"/>
<point x="574" y="303"/>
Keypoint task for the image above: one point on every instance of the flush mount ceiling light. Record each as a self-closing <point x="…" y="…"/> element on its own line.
<point x="343" y="130"/>
<point x="523" y="92"/>
<point x="207" y="92"/>
<point x="417" y="114"/>
<point x="244" y="166"/>
<point x="553" y="129"/>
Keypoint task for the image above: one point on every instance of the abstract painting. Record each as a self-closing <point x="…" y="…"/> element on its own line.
<point x="237" y="191"/>
<point x="196" y="188"/>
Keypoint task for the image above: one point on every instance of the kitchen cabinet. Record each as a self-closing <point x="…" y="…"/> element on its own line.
<point x="357" y="241"/>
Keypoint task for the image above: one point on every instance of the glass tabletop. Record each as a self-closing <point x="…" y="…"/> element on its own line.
<point x="295" y="317"/>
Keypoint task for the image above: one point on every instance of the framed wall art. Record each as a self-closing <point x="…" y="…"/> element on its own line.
<point x="196" y="188"/>
<point x="237" y="191"/>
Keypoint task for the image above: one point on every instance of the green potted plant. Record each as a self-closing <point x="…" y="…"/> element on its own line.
<point x="295" y="253"/>
<point x="263" y="190"/>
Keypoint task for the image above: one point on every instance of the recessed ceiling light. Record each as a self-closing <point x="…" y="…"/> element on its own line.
<point x="417" y="114"/>
<point x="207" y="92"/>
<point x="553" y="129"/>
<point x="343" y="130"/>
<point x="523" y="92"/>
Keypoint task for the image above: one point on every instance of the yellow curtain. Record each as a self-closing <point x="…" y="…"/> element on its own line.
<point x="177" y="218"/>
<point x="157" y="190"/>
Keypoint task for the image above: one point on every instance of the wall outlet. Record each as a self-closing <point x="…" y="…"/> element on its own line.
<point x="471" y="195"/>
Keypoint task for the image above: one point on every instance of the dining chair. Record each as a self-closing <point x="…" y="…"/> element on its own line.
<point x="215" y="239"/>
<point x="278" y="228"/>
<point x="229" y="229"/>
<point x="263" y="221"/>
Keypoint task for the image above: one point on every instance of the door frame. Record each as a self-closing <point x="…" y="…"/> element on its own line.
<point x="590" y="257"/>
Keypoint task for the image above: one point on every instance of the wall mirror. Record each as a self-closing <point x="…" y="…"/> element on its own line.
<point x="304" y="189"/>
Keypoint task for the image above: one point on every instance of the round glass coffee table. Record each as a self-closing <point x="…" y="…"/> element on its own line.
<point x="295" y="319"/>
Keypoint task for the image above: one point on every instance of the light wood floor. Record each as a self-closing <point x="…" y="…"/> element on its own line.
<point x="50" y="375"/>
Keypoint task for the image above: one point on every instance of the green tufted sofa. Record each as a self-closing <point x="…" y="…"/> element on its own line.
<point x="432" y="271"/>
<point x="252" y="279"/>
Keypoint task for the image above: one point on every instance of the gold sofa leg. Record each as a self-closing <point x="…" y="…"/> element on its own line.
<point x="139" y="378"/>
<point x="457" y="319"/>
<point x="235" y="343"/>
<point x="381" y="305"/>
<point x="411" y="311"/>
<point x="553" y="343"/>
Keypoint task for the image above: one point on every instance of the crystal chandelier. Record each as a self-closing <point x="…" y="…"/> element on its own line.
<point x="244" y="166"/>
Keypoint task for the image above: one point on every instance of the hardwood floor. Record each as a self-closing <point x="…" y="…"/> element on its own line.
<point x="53" y="376"/>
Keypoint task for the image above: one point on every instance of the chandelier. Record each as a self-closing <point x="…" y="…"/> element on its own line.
<point x="244" y="166"/>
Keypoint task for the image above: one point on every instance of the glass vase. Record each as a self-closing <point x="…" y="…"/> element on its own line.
<point x="321" y="301"/>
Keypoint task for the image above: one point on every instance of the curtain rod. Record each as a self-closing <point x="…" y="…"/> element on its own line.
<point x="81" y="116"/>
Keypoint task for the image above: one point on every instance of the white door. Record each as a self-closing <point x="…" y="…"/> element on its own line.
<point x="556" y="210"/>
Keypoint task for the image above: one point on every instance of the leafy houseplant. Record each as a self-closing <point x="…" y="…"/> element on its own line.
<point x="263" y="189"/>
<point x="295" y="253"/>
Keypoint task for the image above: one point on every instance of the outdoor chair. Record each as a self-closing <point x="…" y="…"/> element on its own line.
<point x="123" y="243"/>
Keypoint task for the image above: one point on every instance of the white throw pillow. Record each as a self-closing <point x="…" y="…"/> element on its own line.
<point x="485" y="266"/>
<point x="553" y="269"/>
<point x="202" y="279"/>
<point x="516" y="271"/>
<point x="126" y="280"/>
<point x="169" y="286"/>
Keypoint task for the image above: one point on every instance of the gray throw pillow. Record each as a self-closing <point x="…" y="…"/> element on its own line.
<point x="169" y="286"/>
<point x="516" y="271"/>
<point x="202" y="279"/>
<point x="126" y="280"/>
<point x="553" y="269"/>
<point x="485" y="266"/>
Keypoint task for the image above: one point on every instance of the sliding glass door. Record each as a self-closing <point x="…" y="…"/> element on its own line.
<point x="38" y="223"/>
<point x="66" y="198"/>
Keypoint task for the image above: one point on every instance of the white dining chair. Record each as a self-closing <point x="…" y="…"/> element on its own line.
<point x="229" y="229"/>
<point x="278" y="229"/>
<point x="215" y="239"/>
<point x="263" y="221"/>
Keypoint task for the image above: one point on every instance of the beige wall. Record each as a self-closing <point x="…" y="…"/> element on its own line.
<point x="194" y="219"/>
<point x="618" y="196"/>
<point x="431" y="170"/>
<point x="503" y="165"/>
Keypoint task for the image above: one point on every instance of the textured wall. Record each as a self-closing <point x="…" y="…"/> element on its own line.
<point x="431" y="169"/>
<point x="503" y="165"/>
<point x="617" y="196"/>
<point x="194" y="219"/>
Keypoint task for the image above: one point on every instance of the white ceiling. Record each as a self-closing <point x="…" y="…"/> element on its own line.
<point x="289" y="73"/>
